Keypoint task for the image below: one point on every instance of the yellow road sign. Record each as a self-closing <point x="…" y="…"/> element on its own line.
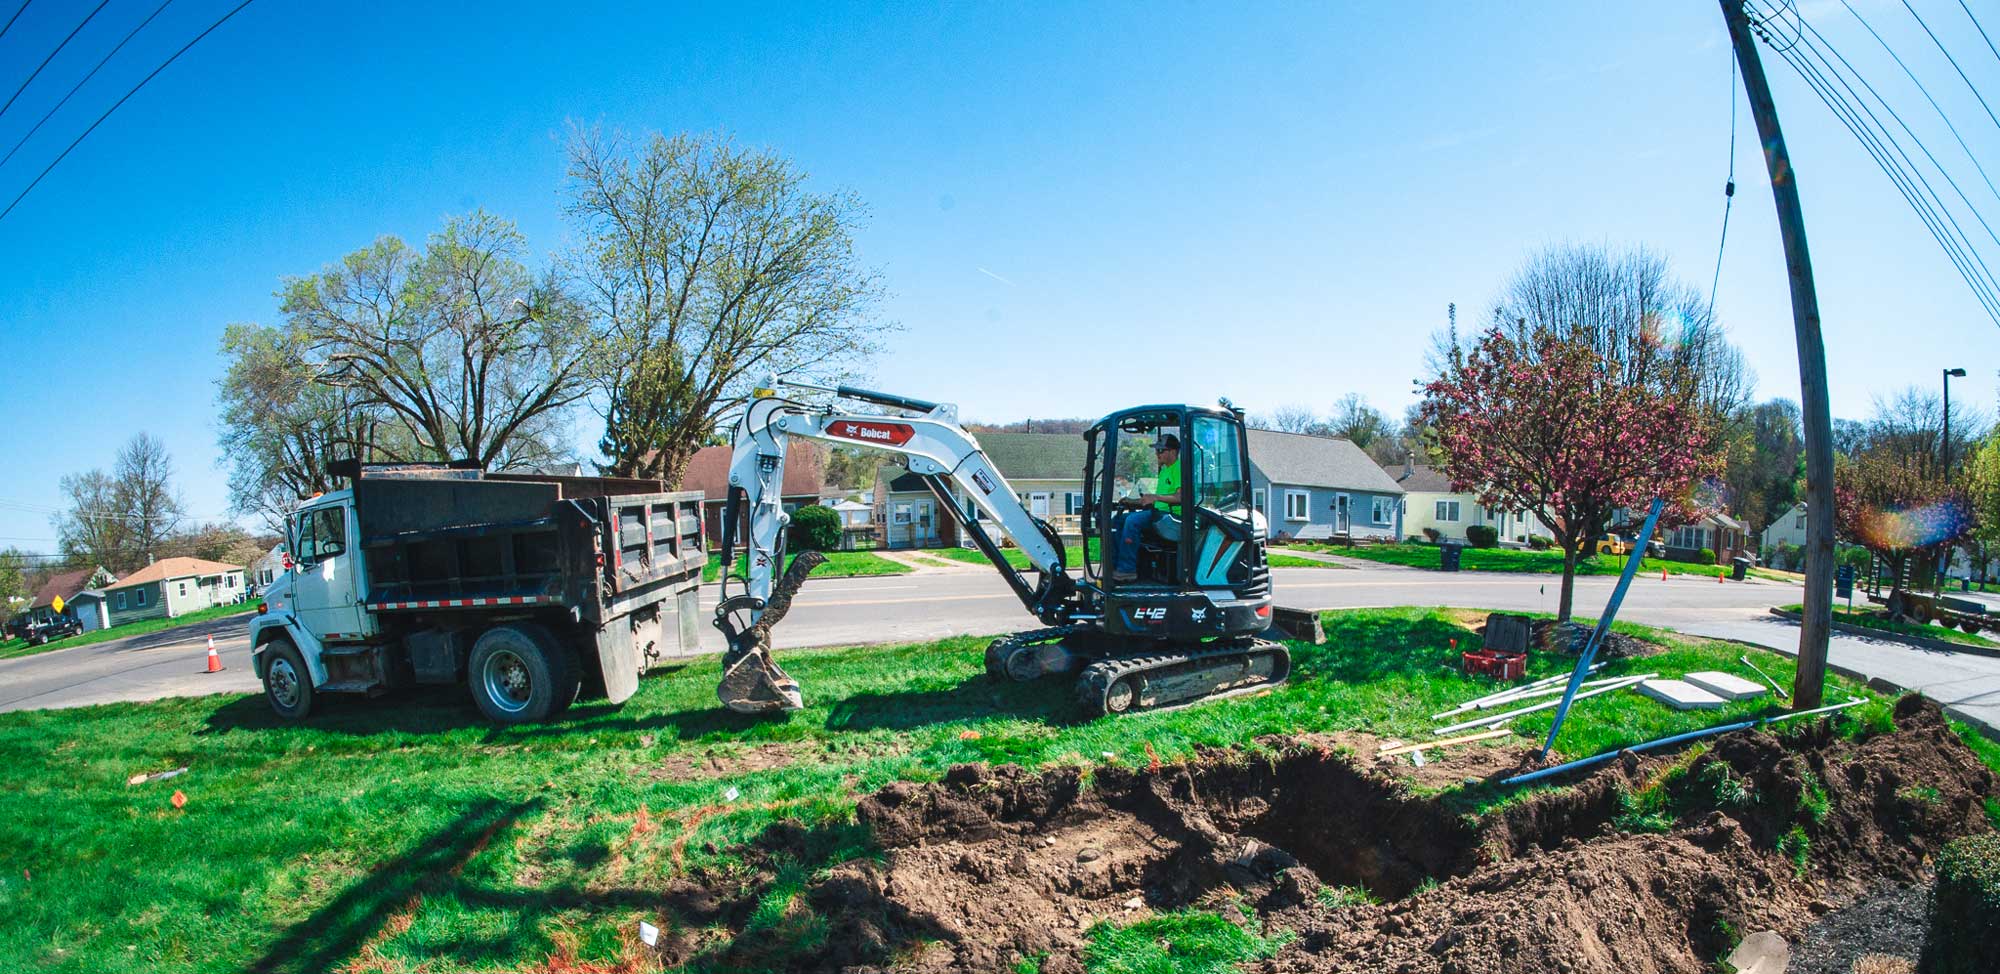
<point x="57" y="604"/>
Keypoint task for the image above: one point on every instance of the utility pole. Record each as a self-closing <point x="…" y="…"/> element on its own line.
<point x="1816" y="617"/>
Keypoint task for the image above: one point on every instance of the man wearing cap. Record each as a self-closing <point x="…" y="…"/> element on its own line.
<point x="1162" y="509"/>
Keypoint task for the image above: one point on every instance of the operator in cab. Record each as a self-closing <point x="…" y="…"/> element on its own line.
<point x="1160" y="511"/>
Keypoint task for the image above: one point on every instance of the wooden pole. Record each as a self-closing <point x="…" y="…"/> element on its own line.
<point x="1816" y="619"/>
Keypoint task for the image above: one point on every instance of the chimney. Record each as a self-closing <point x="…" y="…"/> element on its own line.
<point x="1409" y="465"/>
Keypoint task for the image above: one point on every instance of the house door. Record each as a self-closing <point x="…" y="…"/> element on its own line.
<point x="1038" y="504"/>
<point x="925" y="530"/>
<point x="1342" y="514"/>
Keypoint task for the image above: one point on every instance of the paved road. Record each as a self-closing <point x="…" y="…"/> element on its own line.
<point x="919" y="607"/>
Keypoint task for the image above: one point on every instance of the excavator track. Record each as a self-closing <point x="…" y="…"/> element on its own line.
<point x="1164" y="681"/>
<point x="1029" y="655"/>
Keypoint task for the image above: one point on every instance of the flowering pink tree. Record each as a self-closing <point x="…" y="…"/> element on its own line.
<point x="1536" y="420"/>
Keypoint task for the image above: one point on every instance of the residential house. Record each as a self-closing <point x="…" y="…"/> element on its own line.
<point x="1320" y="487"/>
<point x="1788" y="529"/>
<point x="173" y="587"/>
<point x="1429" y="502"/>
<point x="1718" y="532"/>
<point x="68" y="586"/>
<point x="708" y="471"/>
<point x="1045" y="470"/>
<point x="857" y="523"/>
<point x="266" y="570"/>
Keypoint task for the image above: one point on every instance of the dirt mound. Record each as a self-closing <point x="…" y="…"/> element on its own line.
<point x="1569" y="638"/>
<point x="993" y="865"/>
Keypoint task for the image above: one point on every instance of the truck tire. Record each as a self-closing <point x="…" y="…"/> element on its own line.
<point x="287" y="682"/>
<point x="519" y="673"/>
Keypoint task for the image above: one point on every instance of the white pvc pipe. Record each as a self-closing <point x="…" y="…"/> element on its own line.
<point x="1497" y="695"/>
<point x="1619" y="684"/>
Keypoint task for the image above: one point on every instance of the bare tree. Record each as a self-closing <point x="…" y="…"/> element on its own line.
<point x="1289" y="418"/>
<point x="1355" y="420"/>
<point x="92" y="529"/>
<point x="705" y="266"/>
<point x="459" y="344"/>
<point x="142" y="482"/>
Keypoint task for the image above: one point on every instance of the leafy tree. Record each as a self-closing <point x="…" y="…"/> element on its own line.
<point x="92" y="529"/>
<point x="15" y="566"/>
<point x="1600" y="384"/>
<point x="1893" y="496"/>
<point x="705" y="266"/>
<point x="1765" y="461"/>
<point x="815" y="528"/>
<point x="459" y="345"/>
<point x="1982" y="481"/>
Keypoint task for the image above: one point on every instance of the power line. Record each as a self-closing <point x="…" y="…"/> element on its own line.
<point x="1906" y="180"/>
<point x="32" y="75"/>
<point x="1954" y="63"/>
<point x="114" y="107"/>
<point x="1961" y="5"/>
<point x="1926" y="92"/>
<point x="17" y="16"/>
<point x="79" y="85"/>
<point x="1728" y="188"/>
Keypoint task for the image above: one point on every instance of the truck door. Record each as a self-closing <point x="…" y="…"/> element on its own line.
<point x="327" y="585"/>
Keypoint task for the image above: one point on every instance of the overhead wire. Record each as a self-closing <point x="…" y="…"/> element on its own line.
<point x="1954" y="63"/>
<point x="1968" y="15"/>
<point x="9" y="25"/>
<point x="52" y="55"/>
<point x="79" y="85"/>
<point x="1728" y="189"/>
<point x="115" y="105"/>
<point x="1926" y="92"/>
<point x="1885" y="150"/>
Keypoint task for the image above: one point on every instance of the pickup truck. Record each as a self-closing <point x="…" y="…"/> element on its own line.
<point x="527" y="589"/>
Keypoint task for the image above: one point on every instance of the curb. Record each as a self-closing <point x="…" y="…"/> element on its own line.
<point x="1888" y="687"/>
<point x="1921" y="642"/>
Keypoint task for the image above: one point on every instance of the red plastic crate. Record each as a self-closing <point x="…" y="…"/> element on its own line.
<point x="1500" y="666"/>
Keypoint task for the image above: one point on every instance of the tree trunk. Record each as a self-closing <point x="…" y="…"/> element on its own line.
<point x="1569" y="580"/>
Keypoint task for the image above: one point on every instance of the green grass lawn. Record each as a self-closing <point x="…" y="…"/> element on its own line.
<point x="1278" y="559"/>
<point x="1072" y="556"/>
<point x="19" y="647"/>
<point x="405" y="833"/>
<point x="1870" y="619"/>
<point x="1522" y="560"/>
<point x="839" y="564"/>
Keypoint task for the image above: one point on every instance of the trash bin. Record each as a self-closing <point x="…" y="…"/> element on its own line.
<point x="1739" y="567"/>
<point x="1448" y="554"/>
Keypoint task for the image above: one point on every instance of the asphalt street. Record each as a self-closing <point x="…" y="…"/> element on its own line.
<point x="933" y="605"/>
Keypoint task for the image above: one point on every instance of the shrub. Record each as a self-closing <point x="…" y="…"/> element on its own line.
<point x="1482" y="536"/>
<point x="1541" y="542"/>
<point x="815" y="528"/>
<point x="1707" y="557"/>
<point x="1432" y="535"/>
<point x="1964" y="907"/>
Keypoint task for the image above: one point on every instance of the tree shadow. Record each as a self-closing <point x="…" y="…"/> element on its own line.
<point x="1048" y="700"/>
<point x="1362" y="648"/>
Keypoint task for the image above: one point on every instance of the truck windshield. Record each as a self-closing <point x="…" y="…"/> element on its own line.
<point x="1218" y="466"/>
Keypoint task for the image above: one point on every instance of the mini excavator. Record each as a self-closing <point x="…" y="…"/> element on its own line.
<point x="1183" y="625"/>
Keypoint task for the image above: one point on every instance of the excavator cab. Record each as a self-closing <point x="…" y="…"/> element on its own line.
<point x="1200" y="570"/>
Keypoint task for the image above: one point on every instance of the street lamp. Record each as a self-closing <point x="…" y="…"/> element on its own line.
<point x="1944" y="557"/>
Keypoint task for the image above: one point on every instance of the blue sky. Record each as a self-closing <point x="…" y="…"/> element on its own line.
<point x="1075" y="207"/>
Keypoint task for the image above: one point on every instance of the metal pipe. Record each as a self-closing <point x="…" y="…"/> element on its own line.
<point x="1597" y="759"/>
<point x="1475" y="702"/>
<point x="1604" y="621"/>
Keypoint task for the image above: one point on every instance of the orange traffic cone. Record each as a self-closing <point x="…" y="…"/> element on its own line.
<point x="214" y="661"/>
<point x="1719" y="579"/>
<point x="1663" y="573"/>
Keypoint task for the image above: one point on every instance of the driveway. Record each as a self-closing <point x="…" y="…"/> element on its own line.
<point x="933" y="605"/>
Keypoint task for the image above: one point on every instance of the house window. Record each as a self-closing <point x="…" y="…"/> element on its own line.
<point x="1447" y="511"/>
<point x="139" y="597"/>
<point x="1382" y="510"/>
<point x="1689" y="536"/>
<point x="121" y="601"/>
<point x="902" y="513"/>
<point x="1295" y="505"/>
<point x="1257" y="501"/>
<point x="1799" y="522"/>
<point x="1073" y="502"/>
<point x="184" y="590"/>
<point x="229" y="581"/>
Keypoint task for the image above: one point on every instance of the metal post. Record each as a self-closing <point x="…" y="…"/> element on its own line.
<point x="1639" y="546"/>
<point x="1816" y="619"/>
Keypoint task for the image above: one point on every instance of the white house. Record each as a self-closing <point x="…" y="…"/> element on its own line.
<point x="1431" y="503"/>
<point x="1789" y="528"/>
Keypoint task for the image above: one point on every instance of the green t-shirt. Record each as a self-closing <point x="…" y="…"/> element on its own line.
<point x="1169" y="485"/>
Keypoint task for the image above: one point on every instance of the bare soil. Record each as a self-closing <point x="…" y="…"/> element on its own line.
<point x="993" y="865"/>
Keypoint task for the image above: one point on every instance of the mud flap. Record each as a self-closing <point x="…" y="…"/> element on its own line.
<point x="618" y="660"/>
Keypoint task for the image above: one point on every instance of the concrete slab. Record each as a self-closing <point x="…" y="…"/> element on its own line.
<point x="1680" y="695"/>
<point x="1728" y="686"/>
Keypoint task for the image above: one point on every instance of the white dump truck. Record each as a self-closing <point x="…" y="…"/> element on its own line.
<point x="531" y="590"/>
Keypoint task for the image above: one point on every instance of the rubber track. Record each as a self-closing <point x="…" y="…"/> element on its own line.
<point x="1000" y="649"/>
<point x="1093" y="686"/>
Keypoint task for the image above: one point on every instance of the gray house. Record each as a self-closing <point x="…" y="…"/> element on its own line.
<point x="1321" y="487"/>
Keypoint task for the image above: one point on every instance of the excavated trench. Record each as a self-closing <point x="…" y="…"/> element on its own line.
<point x="992" y="865"/>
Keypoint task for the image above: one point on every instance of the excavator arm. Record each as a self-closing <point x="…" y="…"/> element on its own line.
<point x="932" y="444"/>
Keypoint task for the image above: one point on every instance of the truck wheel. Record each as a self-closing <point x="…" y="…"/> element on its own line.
<point x="520" y="673"/>
<point x="287" y="682"/>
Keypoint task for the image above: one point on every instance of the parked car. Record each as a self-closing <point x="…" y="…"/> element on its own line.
<point x="17" y="627"/>
<point x="1620" y="546"/>
<point x="62" y="628"/>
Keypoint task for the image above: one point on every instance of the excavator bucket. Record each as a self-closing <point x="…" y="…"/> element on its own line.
<point x="752" y="682"/>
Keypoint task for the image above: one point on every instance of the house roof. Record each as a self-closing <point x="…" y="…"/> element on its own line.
<point x="847" y="505"/>
<point x="708" y="471"/>
<point x="65" y="584"/>
<point x="1726" y="521"/>
<point x="1422" y="479"/>
<point x="167" y="568"/>
<point x="1304" y="460"/>
<point x="1035" y="456"/>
